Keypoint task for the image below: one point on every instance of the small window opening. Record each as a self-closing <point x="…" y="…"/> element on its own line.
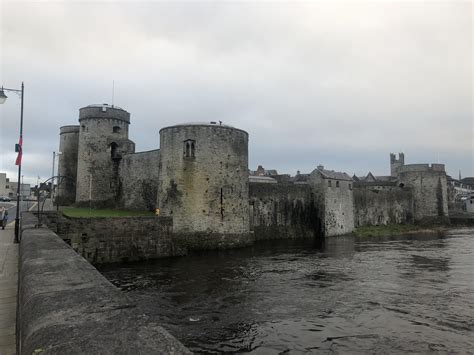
<point x="189" y="149"/>
<point x="113" y="150"/>
<point x="329" y="183"/>
<point x="83" y="128"/>
<point x="337" y="183"/>
<point x="222" y="205"/>
<point x="350" y="186"/>
<point x="117" y="129"/>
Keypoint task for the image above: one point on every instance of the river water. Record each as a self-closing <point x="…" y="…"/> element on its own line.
<point x="410" y="293"/>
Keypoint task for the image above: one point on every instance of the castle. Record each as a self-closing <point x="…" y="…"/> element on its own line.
<point x="199" y="177"/>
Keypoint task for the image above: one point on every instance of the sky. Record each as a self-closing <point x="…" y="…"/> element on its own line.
<point x="337" y="83"/>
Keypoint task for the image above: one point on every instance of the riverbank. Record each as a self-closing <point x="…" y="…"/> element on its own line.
<point x="396" y="229"/>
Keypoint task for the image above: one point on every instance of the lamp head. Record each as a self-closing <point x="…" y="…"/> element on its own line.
<point x="3" y="97"/>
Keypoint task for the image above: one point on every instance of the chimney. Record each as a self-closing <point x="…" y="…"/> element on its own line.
<point x="320" y="167"/>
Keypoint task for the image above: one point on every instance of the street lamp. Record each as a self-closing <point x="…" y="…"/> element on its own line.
<point x="55" y="155"/>
<point x="19" y="149"/>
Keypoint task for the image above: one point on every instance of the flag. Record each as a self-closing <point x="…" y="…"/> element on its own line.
<point x="20" y="151"/>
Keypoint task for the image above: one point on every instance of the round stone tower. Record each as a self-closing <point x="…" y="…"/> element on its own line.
<point x="67" y="164"/>
<point x="103" y="138"/>
<point x="203" y="184"/>
<point x="430" y="190"/>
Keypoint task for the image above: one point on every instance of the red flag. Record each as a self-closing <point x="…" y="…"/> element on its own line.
<point x="20" y="151"/>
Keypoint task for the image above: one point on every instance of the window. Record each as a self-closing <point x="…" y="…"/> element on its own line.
<point x="113" y="150"/>
<point x="83" y="128"/>
<point x="117" y="129"/>
<point x="337" y="183"/>
<point x="189" y="148"/>
<point x="350" y="186"/>
<point x="329" y="183"/>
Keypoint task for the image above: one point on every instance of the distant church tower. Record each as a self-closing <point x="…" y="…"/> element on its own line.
<point x="395" y="163"/>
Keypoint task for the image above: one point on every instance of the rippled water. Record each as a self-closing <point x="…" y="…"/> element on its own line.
<point x="398" y="294"/>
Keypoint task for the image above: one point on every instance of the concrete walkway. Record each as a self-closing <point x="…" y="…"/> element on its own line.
<point x="8" y="290"/>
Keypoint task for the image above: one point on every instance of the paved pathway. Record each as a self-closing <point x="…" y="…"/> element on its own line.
<point x="8" y="290"/>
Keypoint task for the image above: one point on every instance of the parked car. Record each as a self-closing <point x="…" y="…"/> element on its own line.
<point x="5" y="199"/>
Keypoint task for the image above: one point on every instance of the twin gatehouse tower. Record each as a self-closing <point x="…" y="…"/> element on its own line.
<point x="199" y="177"/>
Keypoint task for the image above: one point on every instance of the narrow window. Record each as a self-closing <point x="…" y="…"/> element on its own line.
<point x="350" y="186"/>
<point x="189" y="148"/>
<point x="116" y="129"/>
<point x="329" y="183"/>
<point x="337" y="183"/>
<point x="222" y="205"/>
<point x="113" y="150"/>
<point x="83" y="128"/>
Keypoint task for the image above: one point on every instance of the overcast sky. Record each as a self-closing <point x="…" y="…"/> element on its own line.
<point x="337" y="83"/>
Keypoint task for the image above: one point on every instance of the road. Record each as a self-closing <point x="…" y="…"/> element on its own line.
<point x="11" y="207"/>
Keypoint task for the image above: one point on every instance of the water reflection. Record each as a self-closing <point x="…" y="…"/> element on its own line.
<point x="396" y="294"/>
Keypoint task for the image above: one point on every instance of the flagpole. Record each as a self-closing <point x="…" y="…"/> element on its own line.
<point x="20" y="156"/>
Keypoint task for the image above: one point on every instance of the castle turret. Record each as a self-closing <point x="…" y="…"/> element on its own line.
<point x="67" y="164"/>
<point x="103" y="138"/>
<point x="430" y="190"/>
<point x="203" y="183"/>
<point x="395" y="163"/>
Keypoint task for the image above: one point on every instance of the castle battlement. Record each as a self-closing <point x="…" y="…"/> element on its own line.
<point x="422" y="168"/>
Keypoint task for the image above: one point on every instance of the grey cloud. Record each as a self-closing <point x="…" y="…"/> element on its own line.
<point x="338" y="83"/>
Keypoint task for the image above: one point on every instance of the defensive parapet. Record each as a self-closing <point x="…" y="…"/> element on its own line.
<point x="203" y="183"/>
<point x="103" y="138"/>
<point x="67" y="164"/>
<point x="429" y="186"/>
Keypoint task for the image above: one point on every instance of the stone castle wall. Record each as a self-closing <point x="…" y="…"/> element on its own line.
<point x="103" y="137"/>
<point x="67" y="164"/>
<point x="282" y="211"/>
<point x="335" y="204"/>
<point x="118" y="239"/>
<point x="205" y="189"/>
<point x="376" y="205"/>
<point x="429" y="185"/>
<point x="138" y="176"/>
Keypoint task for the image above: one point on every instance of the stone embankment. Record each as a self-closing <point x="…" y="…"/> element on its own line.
<point x="66" y="306"/>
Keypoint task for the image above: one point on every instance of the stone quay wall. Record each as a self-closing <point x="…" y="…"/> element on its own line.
<point x="65" y="306"/>
<point x="282" y="211"/>
<point x="138" y="176"/>
<point x="380" y="205"/>
<point x="119" y="239"/>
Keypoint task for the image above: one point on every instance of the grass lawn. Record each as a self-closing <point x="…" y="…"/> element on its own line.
<point x="86" y="212"/>
<point x="390" y="229"/>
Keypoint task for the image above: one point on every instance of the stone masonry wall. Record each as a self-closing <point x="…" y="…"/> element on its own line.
<point x="67" y="164"/>
<point x="282" y="211"/>
<point x="379" y="206"/>
<point x="118" y="239"/>
<point x="138" y="184"/>
<point x="103" y="137"/>
<point x="65" y="306"/>
<point x="430" y="193"/>
<point x="207" y="190"/>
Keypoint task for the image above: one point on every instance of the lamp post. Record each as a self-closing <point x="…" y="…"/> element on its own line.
<point x="3" y="98"/>
<point x="53" y="174"/>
